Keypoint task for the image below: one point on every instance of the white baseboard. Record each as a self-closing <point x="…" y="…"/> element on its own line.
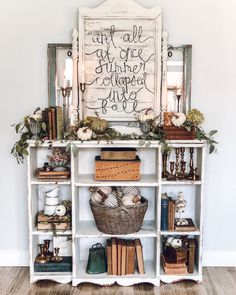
<point x="219" y="258"/>
<point x="16" y="258"/>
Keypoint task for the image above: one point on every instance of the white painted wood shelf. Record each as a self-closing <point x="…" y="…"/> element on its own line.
<point x="145" y="180"/>
<point x="84" y="231"/>
<point x="88" y="229"/>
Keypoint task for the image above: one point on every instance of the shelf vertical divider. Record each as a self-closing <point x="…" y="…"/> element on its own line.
<point x="73" y="200"/>
<point x="30" y="217"/>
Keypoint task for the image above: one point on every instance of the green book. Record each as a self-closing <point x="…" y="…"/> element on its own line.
<point x="63" y="266"/>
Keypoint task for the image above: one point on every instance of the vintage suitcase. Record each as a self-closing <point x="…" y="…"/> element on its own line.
<point x="118" y="153"/>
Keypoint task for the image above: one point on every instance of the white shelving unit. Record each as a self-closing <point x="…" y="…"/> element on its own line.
<point x="84" y="231"/>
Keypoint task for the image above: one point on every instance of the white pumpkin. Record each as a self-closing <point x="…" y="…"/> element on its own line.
<point x="111" y="201"/>
<point x="128" y="201"/>
<point x="132" y="190"/>
<point x="97" y="198"/>
<point x="144" y="118"/>
<point x="84" y="133"/>
<point x="99" y="193"/>
<point x="173" y="242"/>
<point x="176" y="243"/>
<point x="105" y="189"/>
<point x="178" y="119"/>
<point x="60" y="210"/>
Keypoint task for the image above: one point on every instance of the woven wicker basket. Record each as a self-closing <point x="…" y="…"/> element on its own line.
<point x="120" y="220"/>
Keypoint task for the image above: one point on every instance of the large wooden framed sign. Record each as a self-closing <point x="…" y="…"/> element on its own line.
<point x="119" y="59"/>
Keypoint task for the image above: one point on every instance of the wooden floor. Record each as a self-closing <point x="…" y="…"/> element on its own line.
<point x="217" y="281"/>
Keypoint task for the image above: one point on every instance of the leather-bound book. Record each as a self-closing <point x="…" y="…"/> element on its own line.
<point x="54" y="127"/>
<point x="49" y="113"/>
<point x="191" y="255"/>
<point x="171" y="215"/>
<point x="114" y="256"/>
<point x="130" y="257"/>
<point x="139" y="255"/>
<point x="109" y="259"/>
<point x="59" y="122"/>
<point x="119" y="249"/>
<point x="123" y="257"/>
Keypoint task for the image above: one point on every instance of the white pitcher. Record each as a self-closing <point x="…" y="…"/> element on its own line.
<point x="50" y="200"/>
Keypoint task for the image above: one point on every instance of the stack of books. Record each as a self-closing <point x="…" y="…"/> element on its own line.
<point x="173" y="268"/>
<point x="179" y="261"/>
<point x="168" y="220"/>
<point x="122" y="256"/>
<point x="53" y="117"/>
<point x="55" y="175"/>
<point x="167" y="213"/>
<point x="45" y="222"/>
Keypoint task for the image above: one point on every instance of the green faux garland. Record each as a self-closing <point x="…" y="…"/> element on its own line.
<point x="102" y="131"/>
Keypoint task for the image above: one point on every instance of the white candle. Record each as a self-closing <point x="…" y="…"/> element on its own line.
<point x="64" y="80"/>
<point x="82" y="73"/>
<point x="179" y="91"/>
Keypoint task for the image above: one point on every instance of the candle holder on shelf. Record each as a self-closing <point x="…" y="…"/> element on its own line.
<point x="82" y="89"/>
<point x="178" y="102"/>
<point x="41" y="258"/>
<point x="191" y="151"/>
<point x="48" y="254"/>
<point x="164" y="165"/>
<point x="177" y="151"/>
<point x="183" y="169"/>
<point x="66" y="91"/>
<point x="171" y="175"/>
<point x="56" y="257"/>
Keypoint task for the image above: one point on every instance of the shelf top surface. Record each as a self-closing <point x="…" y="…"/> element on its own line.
<point x="115" y="143"/>
<point x="88" y="180"/>
<point x="88" y="229"/>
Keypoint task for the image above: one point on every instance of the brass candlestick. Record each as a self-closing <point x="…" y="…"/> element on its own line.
<point x="182" y="151"/>
<point x="195" y="176"/>
<point x="66" y="95"/>
<point x="191" y="151"/>
<point x="41" y="258"/>
<point x="164" y="166"/>
<point x="48" y="254"/>
<point x="171" y="175"/>
<point x="178" y="102"/>
<point x="82" y="89"/>
<point x="183" y="169"/>
<point x="56" y="257"/>
<point x="177" y="163"/>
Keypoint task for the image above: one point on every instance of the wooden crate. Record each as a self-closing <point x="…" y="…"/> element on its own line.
<point x="117" y="169"/>
<point x="118" y="153"/>
<point x="178" y="133"/>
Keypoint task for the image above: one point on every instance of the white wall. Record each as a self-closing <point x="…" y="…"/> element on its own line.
<point x="27" y="26"/>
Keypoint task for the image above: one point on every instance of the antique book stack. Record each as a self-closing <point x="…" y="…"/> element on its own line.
<point x="117" y="164"/>
<point x="122" y="256"/>
<point x="168" y="220"/>
<point x="180" y="260"/>
<point x="53" y="117"/>
<point x="55" y="175"/>
<point x="45" y="222"/>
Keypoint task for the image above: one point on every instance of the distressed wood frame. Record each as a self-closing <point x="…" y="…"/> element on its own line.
<point x="122" y="9"/>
